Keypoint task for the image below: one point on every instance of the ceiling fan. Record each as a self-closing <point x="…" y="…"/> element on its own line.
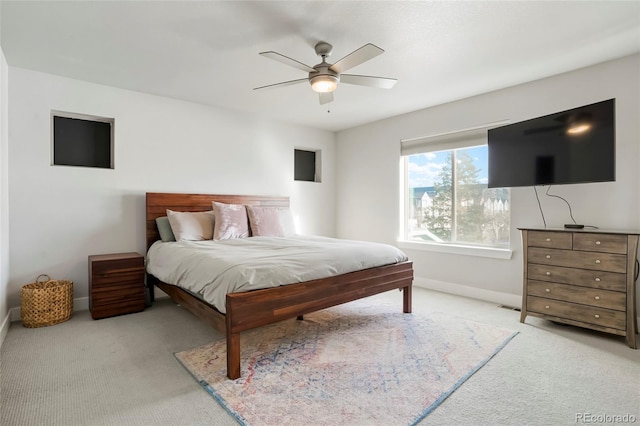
<point x="324" y="77"/>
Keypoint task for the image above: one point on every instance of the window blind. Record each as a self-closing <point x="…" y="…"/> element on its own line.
<point x="465" y="138"/>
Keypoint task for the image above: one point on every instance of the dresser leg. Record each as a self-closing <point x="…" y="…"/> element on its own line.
<point x="631" y="340"/>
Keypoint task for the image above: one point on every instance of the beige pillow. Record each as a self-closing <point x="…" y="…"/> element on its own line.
<point x="191" y="226"/>
<point x="231" y="221"/>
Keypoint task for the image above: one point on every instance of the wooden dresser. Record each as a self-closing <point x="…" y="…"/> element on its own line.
<point x="585" y="278"/>
<point x="116" y="284"/>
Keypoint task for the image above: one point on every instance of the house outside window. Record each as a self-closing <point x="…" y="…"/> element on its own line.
<point x="446" y="199"/>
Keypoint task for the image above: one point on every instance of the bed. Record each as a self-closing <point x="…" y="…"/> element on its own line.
<point x="256" y="308"/>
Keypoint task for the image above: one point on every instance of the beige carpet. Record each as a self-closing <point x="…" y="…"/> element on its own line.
<point x="122" y="371"/>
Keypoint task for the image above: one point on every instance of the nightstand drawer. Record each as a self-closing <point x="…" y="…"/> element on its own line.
<point x="120" y="266"/>
<point x="582" y="277"/>
<point x="119" y="308"/>
<point x="560" y="240"/>
<point x="575" y="294"/>
<point x="603" y="243"/>
<point x="587" y="314"/>
<point x="119" y="277"/>
<point x="578" y="259"/>
<point x="117" y="294"/>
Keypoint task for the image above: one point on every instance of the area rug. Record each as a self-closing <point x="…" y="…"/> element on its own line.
<point x="362" y="363"/>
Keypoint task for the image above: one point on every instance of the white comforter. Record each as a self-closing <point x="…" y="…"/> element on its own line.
<point x="212" y="269"/>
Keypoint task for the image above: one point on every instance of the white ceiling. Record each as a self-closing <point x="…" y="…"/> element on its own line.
<point x="207" y="51"/>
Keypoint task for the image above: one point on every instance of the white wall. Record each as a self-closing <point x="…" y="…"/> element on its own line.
<point x="60" y="215"/>
<point x="368" y="172"/>
<point x="4" y="202"/>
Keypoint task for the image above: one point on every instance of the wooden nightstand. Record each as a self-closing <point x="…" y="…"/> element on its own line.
<point x="116" y="284"/>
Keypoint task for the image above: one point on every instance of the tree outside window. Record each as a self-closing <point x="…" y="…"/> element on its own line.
<point x="449" y="200"/>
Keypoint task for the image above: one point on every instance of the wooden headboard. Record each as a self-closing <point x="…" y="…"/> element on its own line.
<point x="159" y="202"/>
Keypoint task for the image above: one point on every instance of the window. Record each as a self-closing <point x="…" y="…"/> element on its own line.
<point x="446" y="196"/>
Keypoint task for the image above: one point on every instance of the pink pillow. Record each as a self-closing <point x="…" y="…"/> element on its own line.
<point x="231" y="221"/>
<point x="270" y="221"/>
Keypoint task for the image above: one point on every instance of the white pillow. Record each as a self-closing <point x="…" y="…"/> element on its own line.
<point x="191" y="226"/>
<point x="286" y="222"/>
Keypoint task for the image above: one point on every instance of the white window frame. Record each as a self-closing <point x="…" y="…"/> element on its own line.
<point x="467" y="138"/>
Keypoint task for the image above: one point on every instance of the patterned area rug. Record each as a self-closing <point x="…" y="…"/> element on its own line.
<point x="363" y="363"/>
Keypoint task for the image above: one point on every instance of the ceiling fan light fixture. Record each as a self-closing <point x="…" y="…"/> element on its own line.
<point x="324" y="83"/>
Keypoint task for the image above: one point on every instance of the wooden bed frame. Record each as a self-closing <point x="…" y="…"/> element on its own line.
<point x="256" y="308"/>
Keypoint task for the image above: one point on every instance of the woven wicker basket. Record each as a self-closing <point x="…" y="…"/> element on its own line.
<point x="44" y="303"/>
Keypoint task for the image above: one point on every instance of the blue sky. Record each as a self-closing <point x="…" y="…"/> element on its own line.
<point x="424" y="168"/>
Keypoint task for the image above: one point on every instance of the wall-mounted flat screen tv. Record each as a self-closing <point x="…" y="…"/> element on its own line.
<point x="573" y="146"/>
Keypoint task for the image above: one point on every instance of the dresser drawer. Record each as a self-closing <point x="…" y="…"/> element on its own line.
<point x="582" y="277"/>
<point x="578" y="259"/>
<point x="603" y="243"/>
<point x="572" y="311"/>
<point x="575" y="294"/>
<point x="560" y="240"/>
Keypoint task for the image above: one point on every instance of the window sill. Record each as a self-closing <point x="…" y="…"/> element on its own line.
<point x="490" y="252"/>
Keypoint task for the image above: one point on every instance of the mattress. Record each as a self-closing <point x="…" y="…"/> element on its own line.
<point x="211" y="269"/>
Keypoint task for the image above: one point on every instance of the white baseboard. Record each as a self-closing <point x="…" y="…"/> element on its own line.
<point x="511" y="300"/>
<point x="4" y="328"/>
<point x="79" y="304"/>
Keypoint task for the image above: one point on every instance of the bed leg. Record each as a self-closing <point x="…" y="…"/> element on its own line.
<point x="406" y="299"/>
<point x="233" y="356"/>
<point x="300" y="317"/>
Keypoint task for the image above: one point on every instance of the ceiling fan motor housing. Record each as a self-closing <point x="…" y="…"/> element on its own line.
<point x="324" y="79"/>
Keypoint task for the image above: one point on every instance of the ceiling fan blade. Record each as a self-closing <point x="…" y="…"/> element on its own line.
<point x="366" y="52"/>
<point x="325" y="98"/>
<point x="284" y="83"/>
<point x="287" y="61"/>
<point x="367" y="80"/>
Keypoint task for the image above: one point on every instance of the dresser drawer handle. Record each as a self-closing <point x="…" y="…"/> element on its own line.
<point x="598" y="261"/>
<point x="597" y="297"/>
<point x="548" y="256"/>
<point x="546" y="306"/>
<point x="548" y="273"/>
<point x="597" y="316"/>
<point x="548" y="240"/>
<point x="597" y="243"/>
<point x="597" y="280"/>
<point x="548" y="290"/>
